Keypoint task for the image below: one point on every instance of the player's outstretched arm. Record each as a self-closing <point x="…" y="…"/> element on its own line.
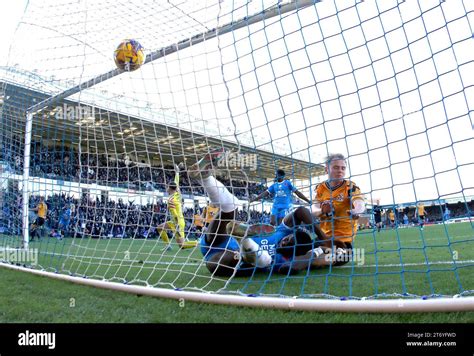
<point x="302" y="196"/>
<point x="176" y="176"/>
<point x="260" y="196"/>
<point x="316" y="258"/>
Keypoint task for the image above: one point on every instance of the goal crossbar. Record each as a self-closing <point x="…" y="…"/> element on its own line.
<point x="273" y="11"/>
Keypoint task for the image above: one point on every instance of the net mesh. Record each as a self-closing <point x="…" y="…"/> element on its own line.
<point x="386" y="84"/>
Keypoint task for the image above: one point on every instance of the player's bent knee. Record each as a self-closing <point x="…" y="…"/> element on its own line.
<point x="302" y="214"/>
<point x="300" y="210"/>
<point x="218" y="269"/>
<point x="222" y="264"/>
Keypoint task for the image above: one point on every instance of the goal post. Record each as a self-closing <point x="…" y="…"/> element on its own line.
<point x="275" y="10"/>
<point x="26" y="177"/>
<point x="276" y="85"/>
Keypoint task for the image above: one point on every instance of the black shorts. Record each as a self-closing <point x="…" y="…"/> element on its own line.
<point x="39" y="221"/>
<point x="422" y="217"/>
<point x="378" y="219"/>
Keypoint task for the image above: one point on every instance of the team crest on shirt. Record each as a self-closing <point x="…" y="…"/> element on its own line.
<point x="339" y="197"/>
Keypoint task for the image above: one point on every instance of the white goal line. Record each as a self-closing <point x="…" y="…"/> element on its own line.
<point x="356" y="265"/>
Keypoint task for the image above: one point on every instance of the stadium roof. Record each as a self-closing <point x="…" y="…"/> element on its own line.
<point x="114" y="133"/>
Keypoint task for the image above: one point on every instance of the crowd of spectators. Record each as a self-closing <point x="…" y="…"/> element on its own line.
<point x="66" y="163"/>
<point x="434" y="214"/>
<point x="105" y="218"/>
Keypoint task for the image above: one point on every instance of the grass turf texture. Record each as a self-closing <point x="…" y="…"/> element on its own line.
<point x="26" y="298"/>
<point x="394" y="262"/>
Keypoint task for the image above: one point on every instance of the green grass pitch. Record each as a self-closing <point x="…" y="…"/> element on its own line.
<point x="436" y="261"/>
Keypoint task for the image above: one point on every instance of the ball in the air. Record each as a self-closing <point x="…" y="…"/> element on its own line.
<point x="129" y="55"/>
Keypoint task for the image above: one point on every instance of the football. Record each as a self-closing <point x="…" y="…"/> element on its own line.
<point x="129" y="55"/>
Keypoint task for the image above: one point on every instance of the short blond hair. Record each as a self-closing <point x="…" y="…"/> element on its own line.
<point x="334" y="157"/>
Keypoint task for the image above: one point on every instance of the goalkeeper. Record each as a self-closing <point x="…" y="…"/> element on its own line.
<point x="231" y="247"/>
<point x="177" y="223"/>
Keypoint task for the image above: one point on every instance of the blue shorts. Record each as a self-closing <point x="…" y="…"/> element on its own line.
<point x="280" y="211"/>
<point x="64" y="223"/>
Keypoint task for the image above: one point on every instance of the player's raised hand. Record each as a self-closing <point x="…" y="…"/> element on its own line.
<point x="252" y="198"/>
<point x="326" y="207"/>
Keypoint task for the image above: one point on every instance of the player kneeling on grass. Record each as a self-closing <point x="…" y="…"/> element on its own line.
<point x="338" y="205"/>
<point x="231" y="247"/>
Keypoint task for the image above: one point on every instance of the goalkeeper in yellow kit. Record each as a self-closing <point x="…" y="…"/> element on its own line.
<point x="177" y="223"/>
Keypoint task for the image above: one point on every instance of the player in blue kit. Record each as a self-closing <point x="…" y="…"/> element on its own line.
<point x="282" y="191"/>
<point x="64" y="220"/>
<point x="230" y="247"/>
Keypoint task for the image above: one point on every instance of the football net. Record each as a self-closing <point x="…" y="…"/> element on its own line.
<point x="280" y="85"/>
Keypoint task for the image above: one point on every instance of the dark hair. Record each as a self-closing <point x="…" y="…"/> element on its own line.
<point x="280" y="173"/>
<point x="173" y="186"/>
<point x="301" y="243"/>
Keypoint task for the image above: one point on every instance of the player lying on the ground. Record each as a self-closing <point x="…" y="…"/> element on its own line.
<point x="230" y="246"/>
